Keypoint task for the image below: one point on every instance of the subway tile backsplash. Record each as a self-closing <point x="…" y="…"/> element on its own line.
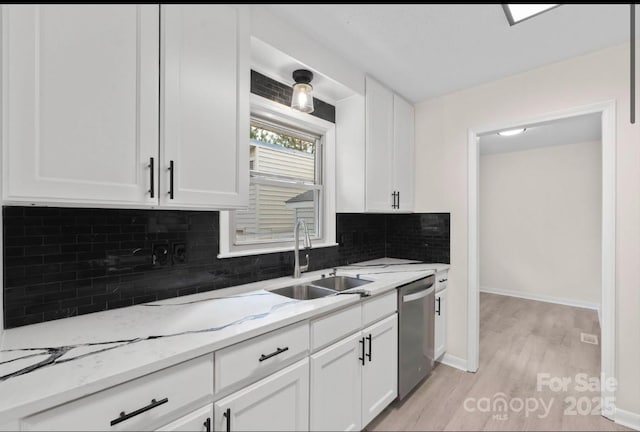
<point x="62" y="262"/>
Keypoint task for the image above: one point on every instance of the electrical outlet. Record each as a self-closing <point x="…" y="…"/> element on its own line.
<point x="179" y="254"/>
<point x="160" y="254"/>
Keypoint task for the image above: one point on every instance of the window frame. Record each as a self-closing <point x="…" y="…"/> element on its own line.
<point x="272" y="179"/>
<point x="270" y="111"/>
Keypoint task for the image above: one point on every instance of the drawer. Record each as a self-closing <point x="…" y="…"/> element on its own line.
<point x="379" y="307"/>
<point x="258" y="357"/>
<point x="328" y="329"/>
<point x="177" y="391"/>
<point x="442" y="280"/>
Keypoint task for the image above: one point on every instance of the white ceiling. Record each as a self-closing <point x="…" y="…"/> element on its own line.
<point x="279" y="66"/>
<point x="425" y="50"/>
<point x="570" y="130"/>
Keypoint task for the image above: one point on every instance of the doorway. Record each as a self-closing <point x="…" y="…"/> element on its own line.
<point x="606" y="111"/>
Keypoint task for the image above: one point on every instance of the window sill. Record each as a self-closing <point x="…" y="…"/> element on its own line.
<point x="234" y="254"/>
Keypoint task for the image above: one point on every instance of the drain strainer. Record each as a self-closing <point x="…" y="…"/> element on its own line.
<point x="589" y="338"/>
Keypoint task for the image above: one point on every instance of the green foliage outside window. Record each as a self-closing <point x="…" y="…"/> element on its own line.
<point x="265" y="135"/>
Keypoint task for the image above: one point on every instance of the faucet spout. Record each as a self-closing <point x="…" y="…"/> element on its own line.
<point x="297" y="268"/>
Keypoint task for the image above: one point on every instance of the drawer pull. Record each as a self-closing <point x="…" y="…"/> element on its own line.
<point x="227" y="415"/>
<point x="152" y="189"/>
<point x="442" y="280"/>
<point x="154" y="403"/>
<point x="171" y="169"/>
<point x="273" y="354"/>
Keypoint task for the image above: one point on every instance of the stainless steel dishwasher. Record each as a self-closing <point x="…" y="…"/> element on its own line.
<point x="416" y="306"/>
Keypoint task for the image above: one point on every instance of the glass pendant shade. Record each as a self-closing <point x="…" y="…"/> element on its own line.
<point x="302" y="99"/>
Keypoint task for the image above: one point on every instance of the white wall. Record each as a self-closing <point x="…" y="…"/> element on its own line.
<point x="442" y="126"/>
<point x="540" y="222"/>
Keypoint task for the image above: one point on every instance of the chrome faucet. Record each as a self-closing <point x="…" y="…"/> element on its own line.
<point x="297" y="268"/>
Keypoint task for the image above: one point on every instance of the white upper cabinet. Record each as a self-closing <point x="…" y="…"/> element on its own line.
<point x="379" y="146"/>
<point x="375" y="149"/>
<point x="205" y="106"/>
<point x="99" y="101"/>
<point x="403" y="153"/>
<point x="80" y="103"/>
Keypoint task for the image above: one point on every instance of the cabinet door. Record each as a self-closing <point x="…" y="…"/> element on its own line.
<point x="80" y="103"/>
<point x="205" y="106"/>
<point x="380" y="372"/>
<point x="336" y="390"/>
<point x="440" y="324"/>
<point x="279" y="402"/>
<point x="403" y="152"/>
<point x="200" y="420"/>
<point x="379" y="146"/>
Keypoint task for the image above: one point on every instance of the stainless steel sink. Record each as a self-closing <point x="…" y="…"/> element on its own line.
<point x="303" y="292"/>
<point x="339" y="283"/>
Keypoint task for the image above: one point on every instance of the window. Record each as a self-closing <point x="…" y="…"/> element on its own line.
<point x="285" y="184"/>
<point x="291" y="169"/>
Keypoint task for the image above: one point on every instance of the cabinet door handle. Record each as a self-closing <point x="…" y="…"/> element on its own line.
<point x="273" y="354"/>
<point x="362" y="358"/>
<point x="152" y="191"/>
<point x="369" y="354"/>
<point x="170" y="179"/>
<point x="394" y="200"/>
<point x="438" y="303"/>
<point x="123" y="416"/>
<point x="207" y="425"/>
<point x="398" y="206"/>
<point x="227" y="414"/>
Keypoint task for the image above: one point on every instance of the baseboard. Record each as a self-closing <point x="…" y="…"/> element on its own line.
<point x="628" y="419"/>
<point x="453" y="361"/>
<point x="543" y="298"/>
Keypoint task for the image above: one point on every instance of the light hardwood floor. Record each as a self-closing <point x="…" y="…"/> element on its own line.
<point x="518" y="339"/>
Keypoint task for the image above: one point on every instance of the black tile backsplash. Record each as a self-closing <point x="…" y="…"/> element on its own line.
<point x="278" y="92"/>
<point x="419" y="236"/>
<point x="62" y="262"/>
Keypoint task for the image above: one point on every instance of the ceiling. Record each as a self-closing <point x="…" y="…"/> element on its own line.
<point x="426" y="50"/>
<point x="570" y="130"/>
<point x="279" y="66"/>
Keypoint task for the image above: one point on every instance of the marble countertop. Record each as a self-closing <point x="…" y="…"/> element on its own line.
<point x="82" y="355"/>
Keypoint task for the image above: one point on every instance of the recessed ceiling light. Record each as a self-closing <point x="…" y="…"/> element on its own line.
<point x="511" y="132"/>
<point x="519" y="12"/>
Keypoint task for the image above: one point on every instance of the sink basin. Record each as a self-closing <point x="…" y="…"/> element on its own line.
<point x="339" y="283"/>
<point x="303" y="292"/>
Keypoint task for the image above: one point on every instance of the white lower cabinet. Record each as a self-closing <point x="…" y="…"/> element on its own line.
<point x="380" y="372"/>
<point x="353" y="380"/>
<point x="279" y="402"/>
<point x="440" y="339"/>
<point x="145" y="403"/>
<point x="200" y="420"/>
<point x="336" y="386"/>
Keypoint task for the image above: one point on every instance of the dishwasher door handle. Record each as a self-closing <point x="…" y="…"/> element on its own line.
<point x="415" y="296"/>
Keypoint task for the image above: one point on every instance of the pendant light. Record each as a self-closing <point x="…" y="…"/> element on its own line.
<point x="302" y="99"/>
